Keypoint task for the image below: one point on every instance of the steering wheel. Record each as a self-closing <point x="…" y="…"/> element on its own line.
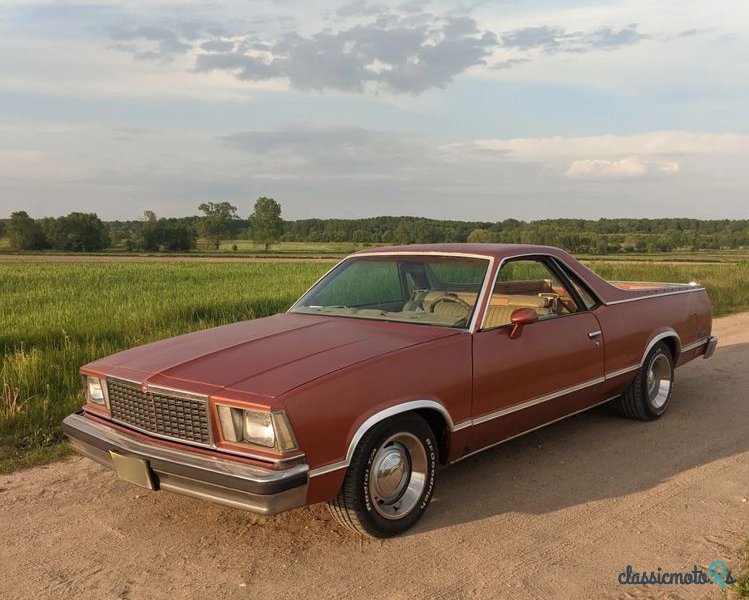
<point x="455" y="300"/>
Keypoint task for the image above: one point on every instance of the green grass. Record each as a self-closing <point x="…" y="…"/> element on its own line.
<point x="56" y="317"/>
<point x="741" y="587"/>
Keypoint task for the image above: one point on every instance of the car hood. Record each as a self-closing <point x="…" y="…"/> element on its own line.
<point x="263" y="357"/>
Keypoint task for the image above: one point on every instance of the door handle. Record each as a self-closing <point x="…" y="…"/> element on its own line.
<point x="594" y="334"/>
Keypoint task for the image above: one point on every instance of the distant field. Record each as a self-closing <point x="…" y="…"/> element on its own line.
<point x="55" y="317"/>
<point x="247" y="246"/>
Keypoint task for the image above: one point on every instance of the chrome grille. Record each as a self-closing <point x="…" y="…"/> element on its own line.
<point x="172" y="415"/>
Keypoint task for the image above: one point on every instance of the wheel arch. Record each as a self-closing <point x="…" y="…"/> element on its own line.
<point x="668" y="337"/>
<point x="432" y="411"/>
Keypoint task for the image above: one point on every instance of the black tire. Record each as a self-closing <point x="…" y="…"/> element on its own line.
<point x="356" y="506"/>
<point x="641" y="400"/>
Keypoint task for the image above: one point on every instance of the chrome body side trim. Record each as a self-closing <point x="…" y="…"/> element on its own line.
<point x="623" y="371"/>
<point x="696" y="344"/>
<point x="572" y="414"/>
<point x="471" y="422"/>
<point x="534" y="401"/>
<point x="653" y="342"/>
<point x="462" y="425"/>
<point x="329" y="468"/>
<point x="230" y="482"/>
<point x="659" y="295"/>
<point x="657" y="284"/>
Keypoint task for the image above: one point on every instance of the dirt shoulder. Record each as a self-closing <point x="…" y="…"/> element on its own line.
<point x="558" y="513"/>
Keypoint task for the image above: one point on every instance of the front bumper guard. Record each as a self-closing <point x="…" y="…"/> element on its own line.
<point x="217" y="479"/>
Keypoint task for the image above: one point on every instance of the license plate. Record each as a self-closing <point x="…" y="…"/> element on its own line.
<point x="134" y="470"/>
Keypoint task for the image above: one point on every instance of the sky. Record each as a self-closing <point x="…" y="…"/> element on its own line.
<point x="471" y="110"/>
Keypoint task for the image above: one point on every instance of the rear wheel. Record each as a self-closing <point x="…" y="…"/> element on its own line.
<point x="649" y="394"/>
<point x="390" y="480"/>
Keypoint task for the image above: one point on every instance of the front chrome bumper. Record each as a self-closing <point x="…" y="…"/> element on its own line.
<point x="712" y="343"/>
<point x="213" y="478"/>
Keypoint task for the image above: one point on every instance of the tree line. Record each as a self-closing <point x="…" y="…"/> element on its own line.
<point x="219" y="222"/>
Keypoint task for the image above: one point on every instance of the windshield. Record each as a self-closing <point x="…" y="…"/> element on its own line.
<point x="429" y="290"/>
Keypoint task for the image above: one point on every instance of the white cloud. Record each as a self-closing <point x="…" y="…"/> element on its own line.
<point x="670" y="168"/>
<point x="653" y="143"/>
<point x="596" y="169"/>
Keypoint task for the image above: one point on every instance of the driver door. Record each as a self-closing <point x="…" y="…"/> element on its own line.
<point x="553" y="368"/>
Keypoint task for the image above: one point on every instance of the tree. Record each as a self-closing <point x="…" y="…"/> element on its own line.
<point x="80" y="232"/>
<point x="479" y="236"/>
<point x="149" y="237"/>
<point x="216" y="223"/>
<point x="175" y="235"/>
<point x="24" y="233"/>
<point x="266" y="225"/>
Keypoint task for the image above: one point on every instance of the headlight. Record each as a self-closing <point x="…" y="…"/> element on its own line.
<point x="256" y="427"/>
<point x="96" y="390"/>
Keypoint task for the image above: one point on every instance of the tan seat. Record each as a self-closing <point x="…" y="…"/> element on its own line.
<point x="502" y="306"/>
<point x="447" y="308"/>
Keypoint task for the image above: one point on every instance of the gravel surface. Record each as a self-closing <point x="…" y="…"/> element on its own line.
<point x="558" y="513"/>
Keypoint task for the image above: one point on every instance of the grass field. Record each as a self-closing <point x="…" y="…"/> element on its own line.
<point x="56" y="317"/>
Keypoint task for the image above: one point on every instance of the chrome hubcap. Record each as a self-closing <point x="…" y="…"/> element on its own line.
<point x="398" y="475"/>
<point x="659" y="381"/>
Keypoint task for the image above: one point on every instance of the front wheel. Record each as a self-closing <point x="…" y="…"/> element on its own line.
<point x="390" y="480"/>
<point x="649" y="394"/>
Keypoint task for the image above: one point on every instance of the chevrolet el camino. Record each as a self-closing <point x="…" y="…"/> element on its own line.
<point x="396" y="362"/>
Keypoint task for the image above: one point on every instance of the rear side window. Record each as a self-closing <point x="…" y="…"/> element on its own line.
<point x="582" y="289"/>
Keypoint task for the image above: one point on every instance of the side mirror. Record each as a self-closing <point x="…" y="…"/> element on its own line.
<point x="519" y="318"/>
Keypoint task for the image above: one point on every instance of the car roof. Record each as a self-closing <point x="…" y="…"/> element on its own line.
<point x="489" y="250"/>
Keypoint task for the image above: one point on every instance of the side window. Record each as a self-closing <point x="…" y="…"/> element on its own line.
<point x="581" y="289"/>
<point x="527" y="283"/>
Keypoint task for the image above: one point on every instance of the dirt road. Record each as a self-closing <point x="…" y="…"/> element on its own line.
<point x="556" y="514"/>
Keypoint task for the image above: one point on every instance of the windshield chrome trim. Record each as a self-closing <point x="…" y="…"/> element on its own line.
<point x="480" y="299"/>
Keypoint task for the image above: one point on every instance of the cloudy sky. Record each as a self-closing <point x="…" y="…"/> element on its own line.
<point x="467" y="109"/>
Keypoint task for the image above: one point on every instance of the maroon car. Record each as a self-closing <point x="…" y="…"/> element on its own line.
<point x="395" y="362"/>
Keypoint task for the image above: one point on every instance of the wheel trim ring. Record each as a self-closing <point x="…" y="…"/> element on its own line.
<point x="405" y="495"/>
<point x="658" y="381"/>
